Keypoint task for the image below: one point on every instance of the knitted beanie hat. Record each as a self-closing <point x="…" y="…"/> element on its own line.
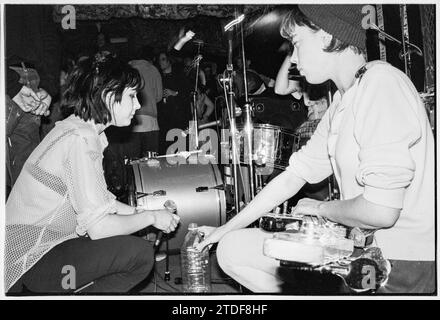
<point x="342" y="21"/>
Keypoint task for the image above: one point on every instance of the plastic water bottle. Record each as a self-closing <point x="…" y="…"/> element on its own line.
<point x="196" y="272"/>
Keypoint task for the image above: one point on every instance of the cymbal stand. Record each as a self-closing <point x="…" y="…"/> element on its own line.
<point x="195" y="117"/>
<point x="333" y="193"/>
<point x="405" y="52"/>
<point x="248" y="127"/>
<point x="233" y="126"/>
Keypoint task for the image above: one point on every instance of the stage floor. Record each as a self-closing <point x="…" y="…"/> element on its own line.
<point x="155" y="283"/>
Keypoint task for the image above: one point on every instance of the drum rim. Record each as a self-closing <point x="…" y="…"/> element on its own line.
<point x="269" y="126"/>
<point x="221" y="200"/>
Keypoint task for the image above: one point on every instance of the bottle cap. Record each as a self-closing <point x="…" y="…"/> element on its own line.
<point x="192" y="226"/>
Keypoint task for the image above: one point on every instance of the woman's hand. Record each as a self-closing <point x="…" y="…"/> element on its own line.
<point x="168" y="93"/>
<point x="183" y="38"/>
<point x="165" y="220"/>
<point x="309" y="207"/>
<point x="27" y="99"/>
<point x="45" y="100"/>
<point x="212" y="235"/>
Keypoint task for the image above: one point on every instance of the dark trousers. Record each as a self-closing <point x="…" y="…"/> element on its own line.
<point x="112" y="265"/>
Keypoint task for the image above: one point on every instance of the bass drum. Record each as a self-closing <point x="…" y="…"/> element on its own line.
<point x="196" y="189"/>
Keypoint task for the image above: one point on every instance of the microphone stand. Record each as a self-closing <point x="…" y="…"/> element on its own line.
<point x="233" y="126"/>
<point x="405" y="38"/>
<point x="248" y="127"/>
<point x="195" y="117"/>
<point x="407" y="47"/>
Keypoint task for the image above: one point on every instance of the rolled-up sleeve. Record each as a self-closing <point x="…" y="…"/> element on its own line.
<point x="312" y="162"/>
<point x="386" y="127"/>
<point x="86" y="184"/>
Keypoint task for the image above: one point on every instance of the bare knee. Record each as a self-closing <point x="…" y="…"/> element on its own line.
<point x="227" y="249"/>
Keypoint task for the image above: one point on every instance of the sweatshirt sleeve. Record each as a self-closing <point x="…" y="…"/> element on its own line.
<point x="386" y="127"/>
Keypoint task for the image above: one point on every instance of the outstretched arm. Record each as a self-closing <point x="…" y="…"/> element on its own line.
<point x="283" y="187"/>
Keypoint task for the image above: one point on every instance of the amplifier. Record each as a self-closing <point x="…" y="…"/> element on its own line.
<point x="282" y="111"/>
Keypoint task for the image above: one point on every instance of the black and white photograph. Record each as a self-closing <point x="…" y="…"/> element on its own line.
<point x="219" y="151"/>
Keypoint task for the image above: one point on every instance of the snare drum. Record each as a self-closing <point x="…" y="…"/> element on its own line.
<point x="272" y="145"/>
<point x="192" y="187"/>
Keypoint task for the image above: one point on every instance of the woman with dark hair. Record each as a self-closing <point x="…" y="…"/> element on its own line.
<point x="376" y="139"/>
<point x="69" y="231"/>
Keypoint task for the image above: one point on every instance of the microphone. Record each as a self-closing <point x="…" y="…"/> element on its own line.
<point x="170" y="205"/>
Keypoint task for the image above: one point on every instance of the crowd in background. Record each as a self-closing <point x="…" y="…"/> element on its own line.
<point x="169" y="78"/>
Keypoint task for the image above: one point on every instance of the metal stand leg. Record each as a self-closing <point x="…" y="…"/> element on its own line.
<point x="167" y="275"/>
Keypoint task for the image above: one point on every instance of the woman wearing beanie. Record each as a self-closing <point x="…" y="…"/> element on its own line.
<point x="375" y="137"/>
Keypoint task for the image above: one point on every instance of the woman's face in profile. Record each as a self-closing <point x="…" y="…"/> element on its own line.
<point x="123" y="112"/>
<point x="308" y="54"/>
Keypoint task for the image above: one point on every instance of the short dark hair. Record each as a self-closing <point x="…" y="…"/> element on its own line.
<point x="91" y="80"/>
<point x="296" y="18"/>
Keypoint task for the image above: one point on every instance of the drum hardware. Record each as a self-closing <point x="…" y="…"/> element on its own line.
<point x="195" y="117"/>
<point x="183" y="154"/>
<point x="271" y="146"/>
<point x="247" y="110"/>
<point x="230" y="105"/>
<point x="206" y="189"/>
<point x="158" y="193"/>
<point x="150" y="154"/>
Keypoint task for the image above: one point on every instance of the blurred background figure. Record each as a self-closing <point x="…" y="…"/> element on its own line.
<point x="145" y="130"/>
